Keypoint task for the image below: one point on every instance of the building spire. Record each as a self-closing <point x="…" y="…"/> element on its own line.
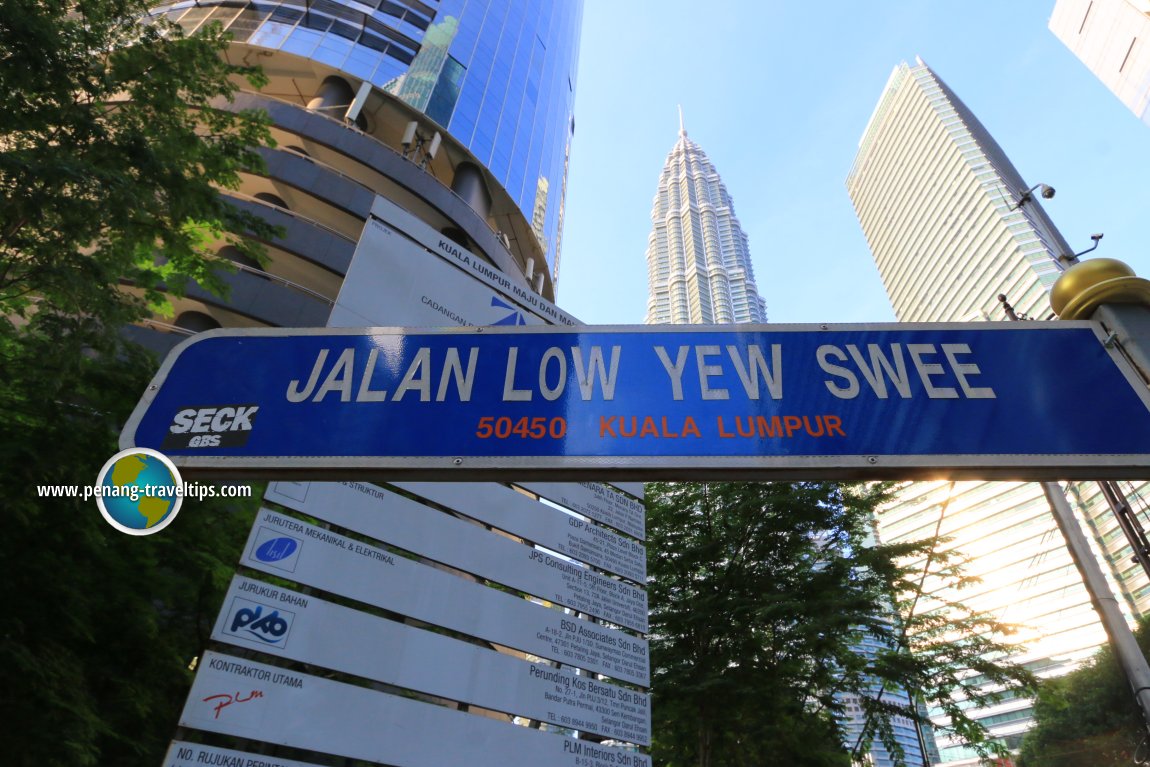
<point x="692" y="275"/>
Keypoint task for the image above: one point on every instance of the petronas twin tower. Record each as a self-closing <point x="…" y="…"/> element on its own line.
<point x="951" y="225"/>
<point x="698" y="262"/>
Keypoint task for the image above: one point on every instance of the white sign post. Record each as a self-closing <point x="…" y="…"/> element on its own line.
<point x="550" y="665"/>
<point x="410" y="525"/>
<point x="494" y="505"/>
<point x="245" y="699"/>
<point x="307" y="629"/>
<point x="184" y="754"/>
<point x="284" y="546"/>
<point x="597" y="501"/>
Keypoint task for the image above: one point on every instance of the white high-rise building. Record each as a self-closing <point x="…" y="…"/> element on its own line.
<point x="698" y="261"/>
<point x="1112" y="38"/>
<point x="951" y="226"/>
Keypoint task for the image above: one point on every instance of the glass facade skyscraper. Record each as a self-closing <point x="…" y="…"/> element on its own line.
<point x="698" y="261"/>
<point x="939" y="203"/>
<point x="1112" y="38"/>
<point x="459" y="111"/>
<point x="499" y="76"/>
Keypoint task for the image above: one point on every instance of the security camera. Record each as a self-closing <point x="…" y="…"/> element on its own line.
<point x="1046" y="191"/>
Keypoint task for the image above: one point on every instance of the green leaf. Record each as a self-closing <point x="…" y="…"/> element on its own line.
<point x="110" y="160"/>
<point x="760" y="594"/>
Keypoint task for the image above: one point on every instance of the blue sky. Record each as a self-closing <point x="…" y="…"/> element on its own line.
<point x="778" y="94"/>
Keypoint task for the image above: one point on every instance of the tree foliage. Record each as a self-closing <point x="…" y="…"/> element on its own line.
<point x="110" y="156"/>
<point x="760" y="596"/>
<point x="97" y="628"/>
<point x="1089" y="716"/>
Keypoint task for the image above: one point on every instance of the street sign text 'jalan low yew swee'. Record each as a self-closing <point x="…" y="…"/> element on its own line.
<point x="980" y="400"/>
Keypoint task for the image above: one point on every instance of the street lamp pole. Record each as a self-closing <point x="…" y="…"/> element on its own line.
<point x="1122" y="640"/>
<point x="1106" y="290"/>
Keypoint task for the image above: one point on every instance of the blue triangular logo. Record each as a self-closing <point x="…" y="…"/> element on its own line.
<point x="514" y="318"/>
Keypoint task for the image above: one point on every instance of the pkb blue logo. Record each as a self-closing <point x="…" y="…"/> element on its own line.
<point x="267" y="624"/>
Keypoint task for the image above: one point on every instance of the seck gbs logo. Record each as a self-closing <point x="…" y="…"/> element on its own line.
<point x="249" y="619"/>
<point x="223" y="426"/>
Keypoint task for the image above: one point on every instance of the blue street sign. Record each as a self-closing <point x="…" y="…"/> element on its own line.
<point x="986" y="400"/>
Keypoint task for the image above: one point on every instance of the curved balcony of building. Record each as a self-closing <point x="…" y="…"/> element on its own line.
<point x="254" y="298"/>
<point x="270" y="301"/>
<point x="318" y="187"/>
<point x="302" y="238"/>
<point x="504" y="87"/>
<point x="284" y="289"/>
<point x="309" y="190"/>
<point x="295" y="286"/>
<point x="441" y="190"/>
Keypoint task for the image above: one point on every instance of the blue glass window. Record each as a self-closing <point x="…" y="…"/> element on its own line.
<point x="333" y="49"/>
<point x="446" y="92"/>
<point x="361" y="62"/>
<point x="246" y="23"/>
<point x="302" y="41"/>
<point x="388" y="70"/>
<point x="271" y="34"/>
